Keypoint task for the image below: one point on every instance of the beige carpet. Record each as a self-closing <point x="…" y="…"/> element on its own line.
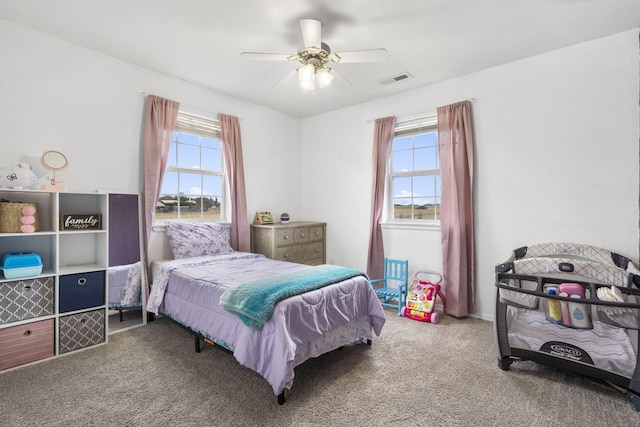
<point x="414" y="374"/>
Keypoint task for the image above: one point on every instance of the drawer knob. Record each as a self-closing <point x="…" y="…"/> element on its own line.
<point x="26" y="333"/>
<point x="286" y="237"/>
<point x="302" y="234"/>
<point x="82" y="281"/>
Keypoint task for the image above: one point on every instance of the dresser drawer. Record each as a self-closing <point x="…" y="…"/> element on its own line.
<point x="26" y="343"/>
<point x="291" y="253"/>
<point x="81" y="330"/>
<point x="292" y="235"/>
<point x="300" y="253"/>
<point x="26" y="299"/>
<point x="316" y="233"/>
<point x="313" y="250"/>
<point x="284" y="237"/>
<point x="80" y="291"/>
<point x="301" y="235"/>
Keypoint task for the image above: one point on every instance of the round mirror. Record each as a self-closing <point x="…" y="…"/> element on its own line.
<point x="54" y="160"/>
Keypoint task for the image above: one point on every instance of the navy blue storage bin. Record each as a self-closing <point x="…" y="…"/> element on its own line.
<point x="80" y="291"/>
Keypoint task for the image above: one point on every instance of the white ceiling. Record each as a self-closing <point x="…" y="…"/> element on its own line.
<point x="201" y="40"/>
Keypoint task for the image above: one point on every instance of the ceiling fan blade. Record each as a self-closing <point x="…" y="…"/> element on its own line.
<point x="311" y="32"/>
<point x="288" y="79"/>
<point x="369" y="55"/>
<point x="258" y="56"/>
<point x="340" y="80"/>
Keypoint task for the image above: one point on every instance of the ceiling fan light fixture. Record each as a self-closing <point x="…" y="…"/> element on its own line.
<point x="306" y="73"/>
<point x="316" y="54"/>
<point x="307" y="85"/>
<point x="324" y="76"/>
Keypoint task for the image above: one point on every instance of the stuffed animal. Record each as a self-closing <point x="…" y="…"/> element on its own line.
<point x="17" y="176"/>
<point x="28" y="219"/>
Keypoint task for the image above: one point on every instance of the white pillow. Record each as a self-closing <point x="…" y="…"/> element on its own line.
<point x="191" y="239"/>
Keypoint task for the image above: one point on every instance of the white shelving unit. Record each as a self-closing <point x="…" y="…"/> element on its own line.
<point x="32" y="325"/>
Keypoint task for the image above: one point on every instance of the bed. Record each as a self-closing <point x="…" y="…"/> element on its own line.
<point x="593" y="331"/>
<point x="322" y="307"/>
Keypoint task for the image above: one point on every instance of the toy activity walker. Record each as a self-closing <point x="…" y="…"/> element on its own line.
<point x="421" y="298"/>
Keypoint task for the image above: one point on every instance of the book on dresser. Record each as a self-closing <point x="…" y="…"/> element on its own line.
<point x="299" y="241"/>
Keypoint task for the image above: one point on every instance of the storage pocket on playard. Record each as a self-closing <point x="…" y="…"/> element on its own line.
<point x="552" y="307"/>
<point x="572" y="312"/>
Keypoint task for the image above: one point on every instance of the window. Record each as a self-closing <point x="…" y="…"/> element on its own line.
<point x="193" y="186"/>
<point x="414" y="177"/>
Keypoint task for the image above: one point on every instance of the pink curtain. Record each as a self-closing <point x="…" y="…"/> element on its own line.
<point x="160" y="120"/>
<point x="382" y="139"/>
<point x="232" y="146"/>
<point x="455" y="142"/>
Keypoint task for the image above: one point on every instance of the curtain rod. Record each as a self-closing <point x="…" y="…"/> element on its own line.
<point x="415" y="117"/>
<point x="419" y="116"/>
<point x="215" y="115"/>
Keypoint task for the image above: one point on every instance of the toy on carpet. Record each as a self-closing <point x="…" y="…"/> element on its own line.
<point x="421" y="298"/>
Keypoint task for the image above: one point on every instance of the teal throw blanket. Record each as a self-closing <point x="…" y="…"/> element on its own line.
<point x="254" y="302"/>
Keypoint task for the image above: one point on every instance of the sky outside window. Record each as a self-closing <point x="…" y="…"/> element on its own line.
<point x="415" y="182"/>
<point x="197" y="154"/>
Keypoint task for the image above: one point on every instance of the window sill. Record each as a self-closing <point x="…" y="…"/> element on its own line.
<point x="159" y="226"/>
<point x="411" y="225"/>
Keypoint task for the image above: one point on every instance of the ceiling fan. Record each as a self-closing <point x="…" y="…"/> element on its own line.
<point x="315" y="55"/>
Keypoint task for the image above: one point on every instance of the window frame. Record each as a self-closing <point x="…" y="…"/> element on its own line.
<point x="202" y="127"/>
<point x="410" y="127"/>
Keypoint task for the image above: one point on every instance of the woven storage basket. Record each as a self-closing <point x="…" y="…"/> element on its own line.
<point x="11" y="213"/>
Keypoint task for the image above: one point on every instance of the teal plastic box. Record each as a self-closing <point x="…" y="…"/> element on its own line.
<point x="17" y="265"/>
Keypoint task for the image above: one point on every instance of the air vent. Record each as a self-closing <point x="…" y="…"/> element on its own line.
<point x="394" y="79"/>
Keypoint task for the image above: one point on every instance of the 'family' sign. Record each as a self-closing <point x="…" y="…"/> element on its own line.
<point x="81" y="221"/>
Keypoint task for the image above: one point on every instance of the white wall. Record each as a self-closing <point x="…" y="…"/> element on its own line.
<point x="556" y="139"/>
<point x="58" y="96"/>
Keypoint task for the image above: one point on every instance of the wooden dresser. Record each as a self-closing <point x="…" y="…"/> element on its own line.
<point x="301" y="242"/>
